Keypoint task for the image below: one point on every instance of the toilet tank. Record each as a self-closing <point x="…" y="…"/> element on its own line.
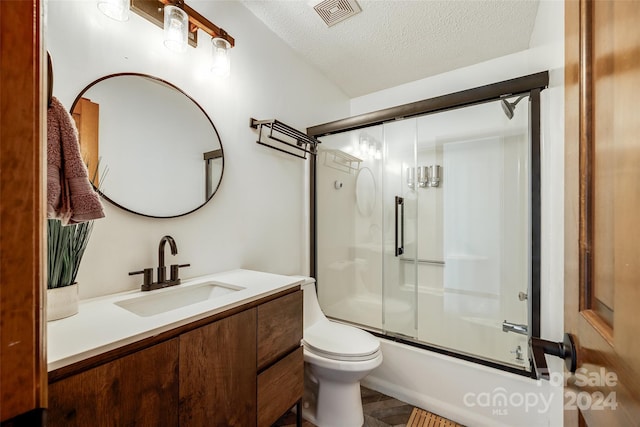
<point x="311" y="307"/>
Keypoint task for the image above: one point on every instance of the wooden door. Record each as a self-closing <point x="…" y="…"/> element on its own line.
<point x="602" y="210"/>
<point x="86" y="115"/>
<point x="23" y="376"/>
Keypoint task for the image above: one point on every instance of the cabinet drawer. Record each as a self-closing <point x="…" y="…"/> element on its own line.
<point x="280" y="387"/>
<point x="279" y="328"/>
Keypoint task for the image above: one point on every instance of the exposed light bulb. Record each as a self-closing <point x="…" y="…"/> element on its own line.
<point x="364" y="146"/>
<point x="221" y="63"/>
<point x="176" y="25"/>
<point x="115" y="9"/>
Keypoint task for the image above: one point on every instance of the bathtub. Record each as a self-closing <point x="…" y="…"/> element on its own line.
<point x="465" y="392"/>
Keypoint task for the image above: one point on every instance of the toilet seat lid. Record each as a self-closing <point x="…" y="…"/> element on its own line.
<point x="340" y="342"/>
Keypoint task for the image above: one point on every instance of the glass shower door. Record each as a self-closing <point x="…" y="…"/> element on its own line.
<point x="424" y="230"/>
<point x="349" y="221"/>
<point x="475" y="232"/>
<point x="400" y="181"/>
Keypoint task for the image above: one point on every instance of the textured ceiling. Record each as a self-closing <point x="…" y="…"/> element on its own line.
<point x="397" y="41"/>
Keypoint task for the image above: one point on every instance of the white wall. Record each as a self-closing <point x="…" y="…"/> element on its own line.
<point x="441" y="383"/>
<point x="258" y="218"/>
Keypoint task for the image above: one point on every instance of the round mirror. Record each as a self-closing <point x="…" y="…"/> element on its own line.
<point x="149" y="147"/>
<point x="365" y="191"/>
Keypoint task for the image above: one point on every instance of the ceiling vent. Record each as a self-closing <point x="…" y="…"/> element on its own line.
<point x="334" y="11"/>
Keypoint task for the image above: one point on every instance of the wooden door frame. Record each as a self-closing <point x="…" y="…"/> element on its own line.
<point x="23" y="368"/>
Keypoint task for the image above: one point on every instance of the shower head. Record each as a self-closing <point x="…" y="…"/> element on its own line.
<point x="510" y="107"/>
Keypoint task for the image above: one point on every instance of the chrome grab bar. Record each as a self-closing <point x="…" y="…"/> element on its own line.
<point x="423" y="261"/>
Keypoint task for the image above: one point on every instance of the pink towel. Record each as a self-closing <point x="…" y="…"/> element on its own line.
<point x="70" y="195"/>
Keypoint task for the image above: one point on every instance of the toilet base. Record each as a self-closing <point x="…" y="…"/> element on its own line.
<point x="332" y="403"/>
<point x="339" y="405"/>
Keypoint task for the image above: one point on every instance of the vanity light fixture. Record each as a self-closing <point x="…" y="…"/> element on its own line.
<point x="221" y="65"/>
<point x="154" y="11"/>
<point x="368" y="147"/>
<point x="115" y="9"/>
<point x="176" y="28"/>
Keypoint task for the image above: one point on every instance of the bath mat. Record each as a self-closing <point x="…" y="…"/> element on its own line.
<point x="421" y="418"/>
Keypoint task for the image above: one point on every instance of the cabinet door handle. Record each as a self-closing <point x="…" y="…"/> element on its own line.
<point x="399" y="248"/>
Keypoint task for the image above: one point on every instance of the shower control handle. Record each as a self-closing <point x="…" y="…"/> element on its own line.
<point x="399" y="248"/>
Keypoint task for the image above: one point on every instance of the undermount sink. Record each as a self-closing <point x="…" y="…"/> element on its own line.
<point x="157" y="302"/>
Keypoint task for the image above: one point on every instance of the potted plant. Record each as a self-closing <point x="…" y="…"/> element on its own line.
<point x="66" y="246"/>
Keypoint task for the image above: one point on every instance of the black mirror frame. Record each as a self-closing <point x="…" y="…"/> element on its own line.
<point x="172" y="86"/>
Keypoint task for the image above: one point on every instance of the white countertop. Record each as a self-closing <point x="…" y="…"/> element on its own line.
<point x="101" y="325"/>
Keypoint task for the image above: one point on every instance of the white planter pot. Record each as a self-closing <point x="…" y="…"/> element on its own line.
<point x="62" y="302"/>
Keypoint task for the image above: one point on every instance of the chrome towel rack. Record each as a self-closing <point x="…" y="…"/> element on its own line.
<point x="284" y="138"/>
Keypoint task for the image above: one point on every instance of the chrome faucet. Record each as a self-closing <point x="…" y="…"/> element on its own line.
<point x="148" y="283"/>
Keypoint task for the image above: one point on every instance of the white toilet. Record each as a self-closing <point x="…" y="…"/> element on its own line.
<point x="336" y="358"/>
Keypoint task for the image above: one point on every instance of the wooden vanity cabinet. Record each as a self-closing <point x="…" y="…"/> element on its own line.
<point x="140" y="389"/>
<point x="280" y="358"/>
<point x="218" y="373"/>
<point x="241" y="370"/>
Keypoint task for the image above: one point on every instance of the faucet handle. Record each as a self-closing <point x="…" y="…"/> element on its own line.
<point x="174" y="271"/>
<point x="147" y="277"/>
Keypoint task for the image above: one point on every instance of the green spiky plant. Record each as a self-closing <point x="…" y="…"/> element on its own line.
<point x="66" y="246"/>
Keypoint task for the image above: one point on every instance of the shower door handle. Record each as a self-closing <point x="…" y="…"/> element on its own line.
<point x="565" y="349"/>
<point x="399" y="221"/>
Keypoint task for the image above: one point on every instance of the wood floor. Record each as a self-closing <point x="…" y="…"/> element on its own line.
<point x="422" y="418"/>
<point x="379" y="411"/>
